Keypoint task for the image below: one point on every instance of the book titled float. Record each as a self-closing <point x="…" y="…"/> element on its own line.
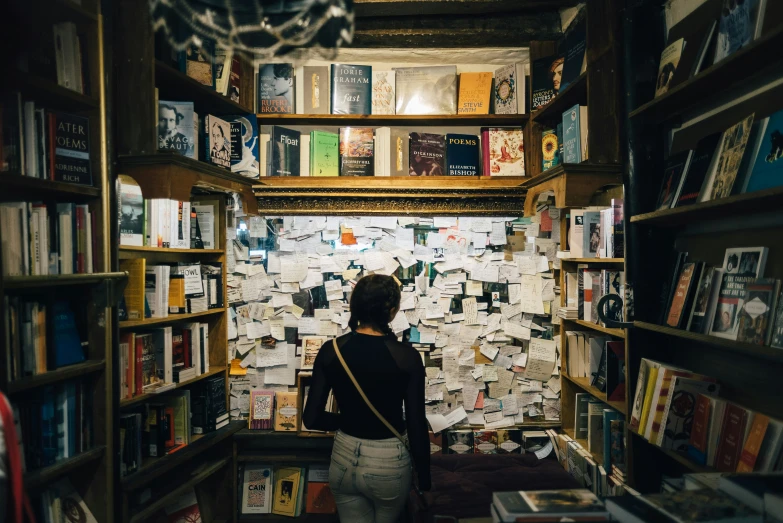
<point x="351" y="89"/>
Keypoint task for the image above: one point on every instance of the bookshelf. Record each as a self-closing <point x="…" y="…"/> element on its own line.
<point x="90" y="467"/>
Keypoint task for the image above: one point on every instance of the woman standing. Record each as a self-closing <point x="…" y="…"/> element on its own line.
<point x="370" y="471"/>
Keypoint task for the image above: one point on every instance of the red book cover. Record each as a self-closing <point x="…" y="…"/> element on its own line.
<point x="320" y="499"/>
<point x="732" y="435"/>
<point x="701" y="424"/>
<point x="485" y="152"/>
<point x="139" y="362"/>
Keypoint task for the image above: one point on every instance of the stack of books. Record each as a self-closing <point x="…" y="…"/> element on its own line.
<point x="547" y="505"/>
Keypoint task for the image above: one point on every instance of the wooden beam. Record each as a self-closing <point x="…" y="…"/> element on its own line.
<point x="371" y="8"/>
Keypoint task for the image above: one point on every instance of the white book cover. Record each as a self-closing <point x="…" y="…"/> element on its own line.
<point x="576" y="233"/>
<point x="205" y="346"/>
<point x="383" y="97"/>
<point x="257" y="489"/>
<point x="70" y="502"/>
<point x="304" y="155"/>
<point x="131" y="212"/>
<point x="164" y="354"/>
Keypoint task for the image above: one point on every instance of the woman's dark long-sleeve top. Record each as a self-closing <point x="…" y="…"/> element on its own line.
<point x="390" y="373"/>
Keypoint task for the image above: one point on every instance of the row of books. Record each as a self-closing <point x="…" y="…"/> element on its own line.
<point x="585" y="288"/>
<point x="160" y="291"/>
<point x="745" y="158"/>
<point x="211" y="65"/>
<point x="599" y="358"/>
<point x="39" y="240"/>
<point x="168" y="423"/>
<point x="40" y="143"/>
<point x="56" y="423"/>
<point x="732" y="301"/>
<point x="155" y="360"/>
<point x="596" y="231"/>
<point x="42" y="336"/>
<point x="362" y="89"/>
<point x="500" y="441"/>
<point x="364" y="151"/>
<point x="281" y="490"/>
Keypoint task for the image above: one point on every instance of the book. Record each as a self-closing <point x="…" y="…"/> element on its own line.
<point x="244" y="144"/>
<point x="705" y="428"/>
<point x="427" y="154"/>
<point x="356" y="151"/>
<point x="69" y="502"/>
<point x="285" y="155"/>
<point x="581" y="402"/>
<point x="286" y="413"/>
<point x="670" y="59"/>
<point x="701" y="163"/>
<point x="551" y="505"/>
<point x="509" y="441"/>
<point x="704" y="505"/>
<point x="575" y="135"/>
<point x="351" y="89"/>
<point x="475" y="90"/>
<point x="324" y="154"/>
<point x="197" y="62"/>
<point x="436" y="442"/>
<point x="234" y="79"/>
<point x="256" y="489"/>
<point x="733" y="432"/>
<point x="222" y="69"/>
<point x="134" y="293"/>
<point x="310" y="347"/>
<point x="647" y="368"/>
<point x="751" y="489"/>
<point x="320" y="499"/>
<point x="462" y="155"/>
<point x="177" y="128"/>
<point x="575" y="56"/>
<point x="546" y="73"/>
<point x="383" y="99"/>
<point x="485" y="442"/>
<point x="458" y="442"/>
<point x="184" y="509"/>
<point x="675" y="168"/>
<point x="506" y="90"/>
<point x="755" y="317"/>
<point x="677" y="418"/>
<point x="71" y="147"/>
<point x="276" y="89"/>
<point x="705" y="300"/>
<point x="550" y="149"/>
<point x="426" y="90"/>
<point x="767" y="155"/>
<point x="399" y="149"/>
<point x="741" y="266"/>
<point x="777" y="329"/>
<point x="615" y="370"/>
<point x="591" y="222"/>
<point x="503" y="151"/>
<point x="683" y="294"/>
<point x="753" y="443"/>
<point x="67" y="343"/>
<point x="316" y="89"/>
<point x="736" y="27"/>
<point x="733" y="142"/>
<point x="131" y="208"/>
<point x="286" y="491"/>
<point x="218" y="141"/>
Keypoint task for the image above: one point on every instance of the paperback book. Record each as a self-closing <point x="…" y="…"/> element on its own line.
<point x="741" y="266"/>
<point x="177" y="128"/>
<point x="462" y="155"/>
<point x="324" y="154"/>
<point x="276" y="88"/>
<point x="506" y="82"/>
<point x="475" y="90"/>
<point x="670" y="58"/>
<point x="383" y="99"/>
<point x="218" y="141"/>
<point x="316" y="89"/>
<point x="427" y="154"/>
<point x="71" y="148"/>
<point x="197" y="62"/>
<point x="503" y="151"/>
<point x="547" y="74"/>
<point x="244" y="145"/>
<point x="356" y="151"/>
<point x="732" y="149"/>
<point x="767" y="157"/>
<point x="575" y="56"/>
<point x="284" y="145"/>
<point x="702" y="162"/>
<point x="756" y="316"/>
<point x="351" y="89"/>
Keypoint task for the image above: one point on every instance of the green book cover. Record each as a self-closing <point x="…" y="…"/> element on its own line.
<point x="324" y="155"/>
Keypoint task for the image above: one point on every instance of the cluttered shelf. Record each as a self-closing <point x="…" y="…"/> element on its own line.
<point x="46" y="475"/>
<point x="574" y="93"/>
<point x="130" y="324"/>
<point x="620" y="333"/>
<point x="167" y="250"/>
<point x="584" y="384"/>
<point x="54" y="376"/>
<point x="680" y="458"/>
<point x="573" y="184"/>
<point x="174" y="84"/>
<point x="145" y="397"/>
<point x="379" y="120"/>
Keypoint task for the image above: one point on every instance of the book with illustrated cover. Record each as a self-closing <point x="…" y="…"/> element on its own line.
<point x="70" y="502"/>
<point x="383" y="99"/>
<point x="285" y="155"/>
<point x="475" y="90"/>
<point x="436" y="442"/>
<point x="732" y="149"/>
<point x="71" y="148"/>
<point x="738" y="26"/>
<point x="324" y="154"/>
<point x="733" y="432"/>
<point x="462" y="155"/>
<point x="218" y="142"/>
<point x="485" y="442"/>
<point x="287" y="491"/>
<point x="234" y="79"/>
<point x="286" y="413"/>
<point x="550" y="149"/>
<point x="676" y="166"/>
<point x="741" y="266"/>
<point x="197" y="62"/>
<point x="777" y="328"/>
<point x="767" y="157"/>
<point x="276" y="89"/>
<point x="223" y="59"/>
<point x="131" y="207"/>
<point x="548" y="504"/>
<point x="320" y="499"/>
<point x="670" y="58"/>
<point x="356" y="151"/>
<point x="547" y="74"/>
<point x="184" y="509"/>
<point x="244" y="145"/>
<point x="509" y="441"/>
<point x="351" y="89"/>
<point x="310" y="347"/>
<point x="426" y="90"/>
<point x="677" y="418"/>
<point x="575" y="135"/>
<point x="458" y="442"/>
<point x="261" y="409"/>
<point x="702" y="162"/>
<point x="316" y="89"/>
<point x="503" y="151"/>
<point x="427" y="154"/>
<point x="756" y="316"/>
<point x="177" y="128"/>
<point x="697" y="29"/>
<point x="506" y="90"/>
<point x="257" y="489"/>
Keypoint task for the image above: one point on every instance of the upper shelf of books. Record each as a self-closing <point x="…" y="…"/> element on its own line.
<point x="377" y="120"/>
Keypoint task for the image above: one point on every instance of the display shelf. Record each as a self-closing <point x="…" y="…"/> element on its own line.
<point x="55" y="376"/>
<point x="768" y="200"/>
<point x="584" y="384"/>
<point x="759" y="351"/>
<point x="597" y="457"/>
<point x="41" y="477"/>
<point x="166" y="250"/>
<point x="18" y="187"/>
<point x="574" y="93"/>
<point x="399" y="120"/>
<point x="172" y="176"/>
<point x="753" y="60"/>
<point x="171" y="318"/>
<point x="679" y="457"/>
<point x="595" y="261"/>
<point x="59" y="280"/>
<point x="573" y="184"/>
<point x="154" y="467"/>
<point x="171" y="83"/>
<point x="620" y="333"/>
<point x="128" y="402"/>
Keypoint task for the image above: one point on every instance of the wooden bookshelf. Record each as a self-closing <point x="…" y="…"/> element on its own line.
<point x="171" y="83"/>
<point x="380" y="120"/>
<point x="682" y="460"/>
<point x="52" y="95"/>
<point x="595" y="261"/>
<point x="19" y="186"/>
<point x="574" y="184"/>
<point x="37" y="479"/>
<point x="597" y="456"/>
<point x="128" y="402"/>
<point x="60" y="280"/>
<point x="619" y="333"/>
<point x="55" y="376"/>
<point x="147" y="250"/>
<point x="171" y="318"/>
<point x="584" y="384"/>
<point x="552" y="113"/>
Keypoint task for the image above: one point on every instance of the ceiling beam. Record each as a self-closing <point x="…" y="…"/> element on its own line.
<point x="373" y="8"/>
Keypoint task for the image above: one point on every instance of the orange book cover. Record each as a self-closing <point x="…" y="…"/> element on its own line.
<point x="320" y="499"/>
<point x="674" y="319"/>
<point x="750" y="452"/>
<point x="474" y="92"/>
<point x="286" y="412"/>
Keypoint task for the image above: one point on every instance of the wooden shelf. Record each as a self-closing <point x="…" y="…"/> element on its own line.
<point x="380" y="120"/>
<point x="574" y="184"/>
<point x="173" y="84"/>
<point x="154" y="467"/>
<point x="680" y="458"/>
<point x="768" y="200"/>
<point x="166" y="175"/>
<point x="183" y="486"/>
<point x="307" y="457"/>
<point x="376" y="8"/>
<point x="50" y="94"/>
<point x="55" y="376"/>
<point x="595" y="261"/>
<point x="755" y="59"/>
<point x="759" y="351"/>
<point x="59" y="280"/>
<point x="574" y="93"/>
<point x="274" y="518"/>
<point x="584" y="384"/>
<point x="124" y="403"/>
<point x="597" y="457"/>
<point x="171" y="318"/>
<point x="163" y="250"/>
<point x="17" y="187"/>
<point x="42" y="477"/>
<point x="620" y="333"/>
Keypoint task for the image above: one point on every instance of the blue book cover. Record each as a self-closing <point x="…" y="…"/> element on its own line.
<point x="572" y="150"/>
<point x="609" y="415"/>
<point x="462" y="155"/>
<point x="48" y="428"/>
<point x="767" y="170"/>
<point x="574" y="55"/>
<point x="67" y="342"/>
<point x="351" y="89"/>
<point x="244" y="144"/>
<point x="737" y="27"/>
<point x="177" y="128"/>
<point x="60" y="414"/>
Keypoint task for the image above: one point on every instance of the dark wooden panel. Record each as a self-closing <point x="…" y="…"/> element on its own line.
<point x="533" y="154"/>
<point x="247" y="86"/>
<point x="42" y="477"/>
<point x="370" y="8"/>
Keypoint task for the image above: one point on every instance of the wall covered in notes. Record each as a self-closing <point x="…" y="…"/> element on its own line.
<point x="477" y="301"/>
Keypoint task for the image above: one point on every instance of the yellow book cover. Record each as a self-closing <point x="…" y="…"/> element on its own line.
<point x="474" y="93"/>
<point x="652" y="378"/>
<point x="286" y="413"/>
<point x="177" y="302"/>
<point x="286" y="491"/>
<point x="134" y="290"/>
<point x="750" y="452"/>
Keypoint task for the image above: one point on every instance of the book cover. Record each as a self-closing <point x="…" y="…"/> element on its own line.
<point x="234" y="79"/>
<point x="462" y="155"/>
<point x="218" y="141"/>
<point x="574" y="127"/>
<point x="506" y="98"/>
<point x="356" y="151"/>
<point x="741" y="266"/>
<point x="316" y="89"/>
<point x="383" y="99"/>
<point x="459" y="442"/>
<point x="351" y="89"/>
<point x="177" y="128"/>
<point x="547" y="75"/>
<point x="276" y="89"/>
<point x="767" y="167"/>
<point x="509" y="441"/>
<point x="474" y="93"/>
<point x="558" y="502"/>
<point x="485" y="442"/>
<point x="399" y="150"/>
<point x="197" y="62"/>
<point x="706" y="295"/>
<point x="755" y="317"/>
<point x="679" y="411"/>
<point x="286" y="491"/>
<point x="256" y="489"/>
<point x="670" y="58"/>
<point x="70" y="503"/>
<point x="427" y="154"/>
<point x="66" y="340"/>
<point x="736" y="27"/>
<point x="72" y="149"/>
<point x="134" y="292"/>
<point x="591" y="224"/>
<point x="732" y="437"/>
<point x="550" y="149"/>
<point x="617" y="439"/>
<point x="505" y="151"/>
<point x="286" y="413"/>
<point x="310" y="347"/>
<point x="436" y="442"/>
<point x="753" y="443"/>
<point x="732" y="149"/>
<point x="700" y="425"/>
<point x="244" y="145"/>
<point x="575" y="56"/>
<point x="685" y="284"/>
<point x="702" y="162"/>
<point x="426" y="90"/>
<point x="284" y="146"/>
<point x="131" y="207"/>
<point x="615" y="370"/>
<point x="149" y="365"/>
<point x="320" y="499"/>
<point x="222" y="69"/>
<point x="675" y="167"/>
<point x="325" y="154"/>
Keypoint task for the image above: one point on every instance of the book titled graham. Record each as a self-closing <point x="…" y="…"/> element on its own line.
<point x="351" y="89"/>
